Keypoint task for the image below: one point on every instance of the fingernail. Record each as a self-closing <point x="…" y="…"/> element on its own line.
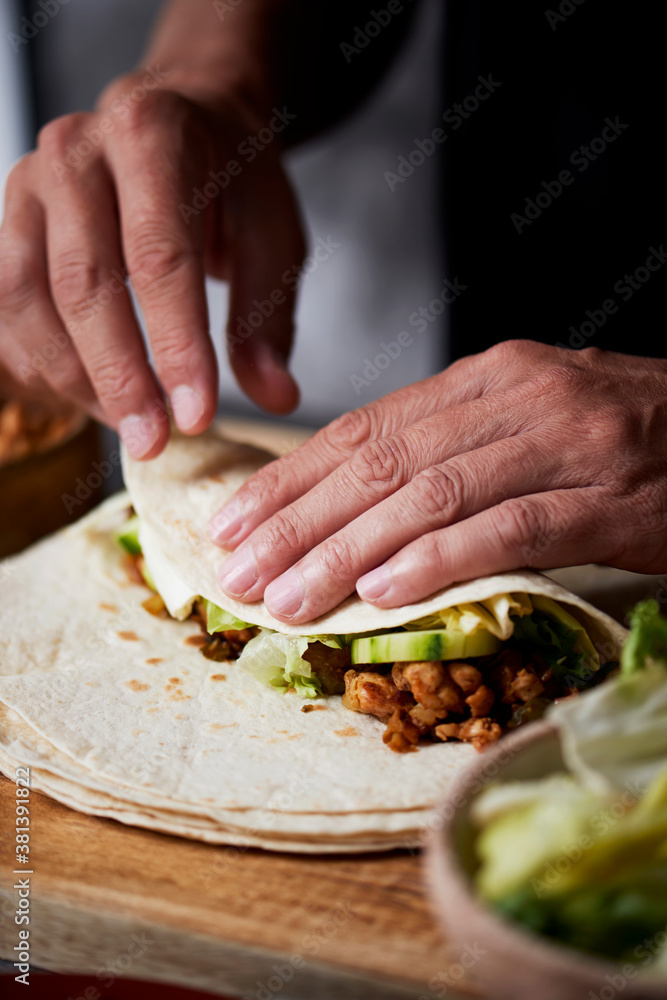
<point x="374" y="584"/>
<point x="239" y="573"/>
<point x="226" y="522"/>
<point x="285" y="595"/>
<point x="187" y="406"/>
<point x="138" y="434"/>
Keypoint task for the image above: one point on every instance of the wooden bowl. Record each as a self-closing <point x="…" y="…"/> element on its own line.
<point x="505" y="960"/>
<point x="50" y="485"/>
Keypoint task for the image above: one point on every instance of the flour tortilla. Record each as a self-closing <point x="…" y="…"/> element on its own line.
<point x="178" y="493"/>
<point x="117" y="715"/>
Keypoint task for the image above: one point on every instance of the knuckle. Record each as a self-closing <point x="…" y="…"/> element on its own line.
<point x="335" y="558"/>
<point x="507" y="351"/>
<point x="174" y="355"/>
<point x="521" y="523"/>
<point x="570" y="379"/>
<point x="438" y="491"/>
<point x="19" y="276"/>
<point x="153" y="258"/>
<point x="281" y="533"/>
<point x="75" y="281"/>
<point x="19" y="177"/>
<point x="153" y="108"/>
<point x="266" y="484"/>
<point x="68" y="378"/>
<point x="115" y="382"/>
<point x="378" y="466"/>
<point x="349" y="431"/>
<point x="54" y="137"/>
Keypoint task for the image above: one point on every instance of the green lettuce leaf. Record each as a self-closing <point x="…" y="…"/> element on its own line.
<point x="647" y="642"/>
<point x="219" y="620"/>
<point x="560" y="640"/>
<point x="277" y="660"/>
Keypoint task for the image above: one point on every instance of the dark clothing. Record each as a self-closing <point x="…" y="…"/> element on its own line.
<point x="584" y="74"/>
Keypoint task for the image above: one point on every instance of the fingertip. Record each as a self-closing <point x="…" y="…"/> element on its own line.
<point x="143" y="436"/>
<point x="193" y="412"/>
<point x="261" y="370"/>
<point x="375" y="587"/>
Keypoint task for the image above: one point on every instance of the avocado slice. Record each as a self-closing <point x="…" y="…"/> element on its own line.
<point x="127" y="536"/>
<point x="435" y="644"/>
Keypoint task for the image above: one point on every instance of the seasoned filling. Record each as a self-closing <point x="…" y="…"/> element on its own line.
<point x="221" y="646"/>
<point x="473" y="702"/>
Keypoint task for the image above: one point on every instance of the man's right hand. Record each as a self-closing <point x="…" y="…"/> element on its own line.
<point x="112" y="195"/>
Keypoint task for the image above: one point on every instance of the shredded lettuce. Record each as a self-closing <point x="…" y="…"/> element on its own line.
<point x="219" y="620"/>
<point x="561" y="641"/>
<point x="647" y="642"/>
<point x="277" y="660"/>
<point x="582" y="857"/>
<point x="495" y="615"/>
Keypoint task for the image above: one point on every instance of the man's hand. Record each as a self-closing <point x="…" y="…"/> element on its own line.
<point x="526" y="455"/>
<point x="112" y="194"/>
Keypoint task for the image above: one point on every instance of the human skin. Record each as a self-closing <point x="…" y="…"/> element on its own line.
<point x="72" y="231"/>
<point x="525" y="455"/>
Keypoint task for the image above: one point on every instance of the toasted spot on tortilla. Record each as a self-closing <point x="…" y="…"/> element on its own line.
<point x="137" y="685"/>
<point x="137" y="732"/>
<point x="218" y="677"/>
<point x="155" y="659"/>
<point x="174" y="680"/>
<point x="154" y="709"/>
<point x="219" y="725"/>
<point x="348" y="731"/>
<point x="195" y="640"/>
<point x="107" y="607"/>
<point x="130" y="636"/>
<point x="314" y="708"/>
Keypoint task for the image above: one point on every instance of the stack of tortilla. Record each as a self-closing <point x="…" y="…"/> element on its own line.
<point x="118" y="714"/>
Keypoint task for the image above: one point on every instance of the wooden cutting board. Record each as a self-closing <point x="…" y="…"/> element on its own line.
<point x="112" y="901"/>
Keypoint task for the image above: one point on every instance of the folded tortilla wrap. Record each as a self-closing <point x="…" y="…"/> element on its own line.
<point x="117" y="714"/>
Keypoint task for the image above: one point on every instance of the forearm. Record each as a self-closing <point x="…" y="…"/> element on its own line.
<point x="223" y="49"/>
<point x="265" y="53"/>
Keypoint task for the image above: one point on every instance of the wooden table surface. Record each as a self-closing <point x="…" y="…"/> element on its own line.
<point x="148" y="906"/>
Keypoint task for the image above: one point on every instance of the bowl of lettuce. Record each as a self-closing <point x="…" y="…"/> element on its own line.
<point x="550" y="866"/>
